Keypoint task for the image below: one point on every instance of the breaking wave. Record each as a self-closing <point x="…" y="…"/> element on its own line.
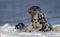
<point x="9" y="31"/>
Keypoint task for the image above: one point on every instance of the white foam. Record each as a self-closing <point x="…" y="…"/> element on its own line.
<point x="9" y="31"/>
<point x="56" y="25"/>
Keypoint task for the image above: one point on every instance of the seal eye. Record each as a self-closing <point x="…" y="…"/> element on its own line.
<point x="29" y="11"/>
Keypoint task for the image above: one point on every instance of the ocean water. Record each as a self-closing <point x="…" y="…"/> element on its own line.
<point x="15" y="11"/>
<point x="8" y="31"/>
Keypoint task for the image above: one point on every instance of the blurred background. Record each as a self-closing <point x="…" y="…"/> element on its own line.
<point x="15" y="11"/>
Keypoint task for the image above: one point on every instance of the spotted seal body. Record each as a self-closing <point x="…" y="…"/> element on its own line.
<point x="38" y="21"/>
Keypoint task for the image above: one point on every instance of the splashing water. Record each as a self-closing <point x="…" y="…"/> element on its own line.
<point x="9" y="31"/>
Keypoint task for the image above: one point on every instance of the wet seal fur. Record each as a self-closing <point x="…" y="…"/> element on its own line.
<point x="21" y="27"/>
<point x="38" y="20"/>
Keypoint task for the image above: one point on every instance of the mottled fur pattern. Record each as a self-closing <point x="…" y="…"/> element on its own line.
<point x="21" y="27"/>
<point x="38" y="21"/>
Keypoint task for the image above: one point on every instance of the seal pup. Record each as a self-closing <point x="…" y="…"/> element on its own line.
<point x="38" y="20"/>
